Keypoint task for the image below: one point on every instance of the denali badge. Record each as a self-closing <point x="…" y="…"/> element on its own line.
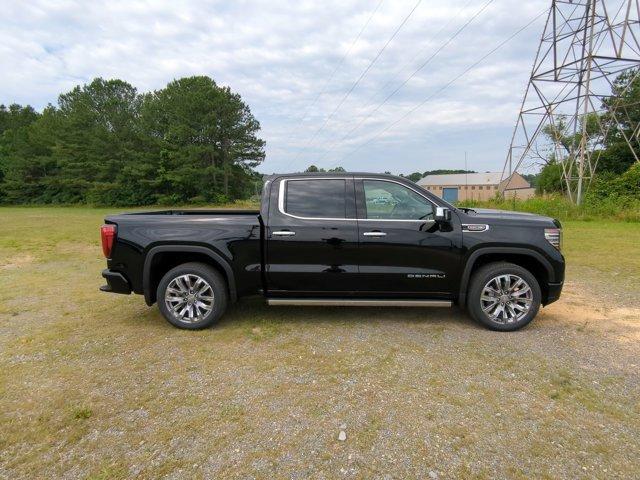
<point x="426" y="275"/>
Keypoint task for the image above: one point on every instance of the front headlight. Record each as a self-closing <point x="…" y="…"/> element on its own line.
<point x="554" y="237"/>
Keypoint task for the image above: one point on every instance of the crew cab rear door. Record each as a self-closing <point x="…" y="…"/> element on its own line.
<point x="312" y="236"/>
<point x="403" y="252"/>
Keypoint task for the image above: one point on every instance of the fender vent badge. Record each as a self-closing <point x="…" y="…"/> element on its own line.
<point x="475" y="227"/>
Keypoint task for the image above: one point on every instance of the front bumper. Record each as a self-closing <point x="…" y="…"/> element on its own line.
<point x="116" y="282"/>
<point x="555" y="289"/>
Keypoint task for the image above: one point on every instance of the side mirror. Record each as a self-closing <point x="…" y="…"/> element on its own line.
<point x="443" y="215"/>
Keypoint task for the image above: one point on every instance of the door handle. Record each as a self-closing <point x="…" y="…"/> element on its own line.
<point x="283" y="233"/>
<point x="374" y="234"/>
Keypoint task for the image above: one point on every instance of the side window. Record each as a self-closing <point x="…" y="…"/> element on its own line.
<point x="316" y="198"/>
<point x="392" y="201"/>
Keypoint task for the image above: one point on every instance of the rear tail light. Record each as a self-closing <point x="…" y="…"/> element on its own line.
<point x="554" y="237"/>
<point x="108" y="235"/>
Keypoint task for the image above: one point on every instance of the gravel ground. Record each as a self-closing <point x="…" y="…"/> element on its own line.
<point x="99" y="386"/>
<point x="416" y="393"/>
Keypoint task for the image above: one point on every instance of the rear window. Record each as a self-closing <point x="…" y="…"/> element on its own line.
<point x="316" y="198"/>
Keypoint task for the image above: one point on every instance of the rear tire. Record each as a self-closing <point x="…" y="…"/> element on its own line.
<point x="503" y="296"/>
<point x="192" y="296"/>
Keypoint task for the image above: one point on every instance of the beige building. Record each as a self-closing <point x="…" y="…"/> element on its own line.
<point x="476" y="186"/>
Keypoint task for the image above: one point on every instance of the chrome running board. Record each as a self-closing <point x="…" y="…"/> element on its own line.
<point x="358" y="302"/>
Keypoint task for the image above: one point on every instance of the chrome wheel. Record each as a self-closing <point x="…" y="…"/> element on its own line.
<point x="506" y="298"/>
<point x="189" y="298"/>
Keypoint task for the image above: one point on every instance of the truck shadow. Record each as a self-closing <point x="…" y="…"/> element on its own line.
<point x="255" y="310"/>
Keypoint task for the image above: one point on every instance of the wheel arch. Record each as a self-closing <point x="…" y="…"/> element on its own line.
<point x="162" y="258"/>
<point x="529" y="259"/>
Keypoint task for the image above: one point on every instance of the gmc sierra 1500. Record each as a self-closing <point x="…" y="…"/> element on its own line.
<point x="338" y="239"/>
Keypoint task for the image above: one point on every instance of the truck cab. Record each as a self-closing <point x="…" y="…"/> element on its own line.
<point x="359" y="235"/>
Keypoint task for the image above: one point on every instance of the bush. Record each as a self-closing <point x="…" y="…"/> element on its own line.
<point x="550" y="178"/>
<point x="624" y="188"/>
<point x="104" y="194"/>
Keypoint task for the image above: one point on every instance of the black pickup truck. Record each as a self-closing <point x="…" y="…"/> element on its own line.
<point x="338" y="239"/>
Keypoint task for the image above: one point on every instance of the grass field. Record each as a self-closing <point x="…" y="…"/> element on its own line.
<point x="100" y="386"/>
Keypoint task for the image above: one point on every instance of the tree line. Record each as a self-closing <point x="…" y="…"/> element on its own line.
<point x="193" y="141"/>
<point x="104" y="143"/>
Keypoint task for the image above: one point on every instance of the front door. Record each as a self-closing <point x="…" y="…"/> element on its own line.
<point x="403" y="252"/>
<point x="312" y="239"/>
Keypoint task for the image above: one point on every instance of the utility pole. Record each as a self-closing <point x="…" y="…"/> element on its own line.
<point x="584" y="47"/>
<point x="466" y="177"/>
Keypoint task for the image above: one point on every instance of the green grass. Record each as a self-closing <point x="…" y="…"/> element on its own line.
<point x="100" y="386"/>
<point x="606" y="247"/>
<point x="82" y="413"/>
<point x="559" y="207"/>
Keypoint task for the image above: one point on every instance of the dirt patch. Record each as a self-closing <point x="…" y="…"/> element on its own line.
<point x="606" y="311"/>
<point x="16" y="262"/>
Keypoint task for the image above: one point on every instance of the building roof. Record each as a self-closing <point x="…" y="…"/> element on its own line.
<point x="489" y="178"/>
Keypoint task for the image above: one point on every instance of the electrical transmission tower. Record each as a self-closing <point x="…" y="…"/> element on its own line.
<point x="569" y="108"/>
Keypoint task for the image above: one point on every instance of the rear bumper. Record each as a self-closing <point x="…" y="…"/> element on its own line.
<point x="116" y="282"/>
<point x="555" y="289"/>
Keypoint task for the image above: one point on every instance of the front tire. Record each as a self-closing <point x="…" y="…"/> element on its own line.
<point x="192" y="296"/>
<point x="503" y="296"/>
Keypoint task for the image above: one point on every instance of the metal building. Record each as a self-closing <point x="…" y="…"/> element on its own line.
<point x="476" y="186"/>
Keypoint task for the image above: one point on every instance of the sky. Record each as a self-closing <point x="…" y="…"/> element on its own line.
<point x="320" y="76"/>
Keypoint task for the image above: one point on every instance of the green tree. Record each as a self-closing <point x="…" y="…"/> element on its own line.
<point x="550" y="178"/>
<point x="23" y="153"/>
<point x="619" y="120"/>
<point x="207" y="139"/>
<point x="445" y="172"/>
<point x="532" y="178"/>
<point x="16" y="116"/>
<point x="568" y="140"/>
<point x="314" y="169"/>
<point x="99" y="150"/>
<point x="104" y="143"/>
<point x="617" y="157"/>
<point x="415" y="176"/>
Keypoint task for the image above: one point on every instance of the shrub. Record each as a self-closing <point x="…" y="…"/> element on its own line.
<point x="625" y="187"/>
<point x="550" y="178"/>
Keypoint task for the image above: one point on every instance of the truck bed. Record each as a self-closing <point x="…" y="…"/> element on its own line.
<point x="217" y="212"/>
<point x="233" y="236"/>
<point x="188" y="219"/>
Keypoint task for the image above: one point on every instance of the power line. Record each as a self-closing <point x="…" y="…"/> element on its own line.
<point x="432" y="38"/>
<point x="444" y="87"/>
<point x="421" y="51"/>
<point x="335" y="70"/>
<point x="362" y="75"/>
<point x="413" y="74"/>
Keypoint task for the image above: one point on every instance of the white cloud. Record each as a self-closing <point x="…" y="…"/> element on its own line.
<point x="278" y="55"/>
